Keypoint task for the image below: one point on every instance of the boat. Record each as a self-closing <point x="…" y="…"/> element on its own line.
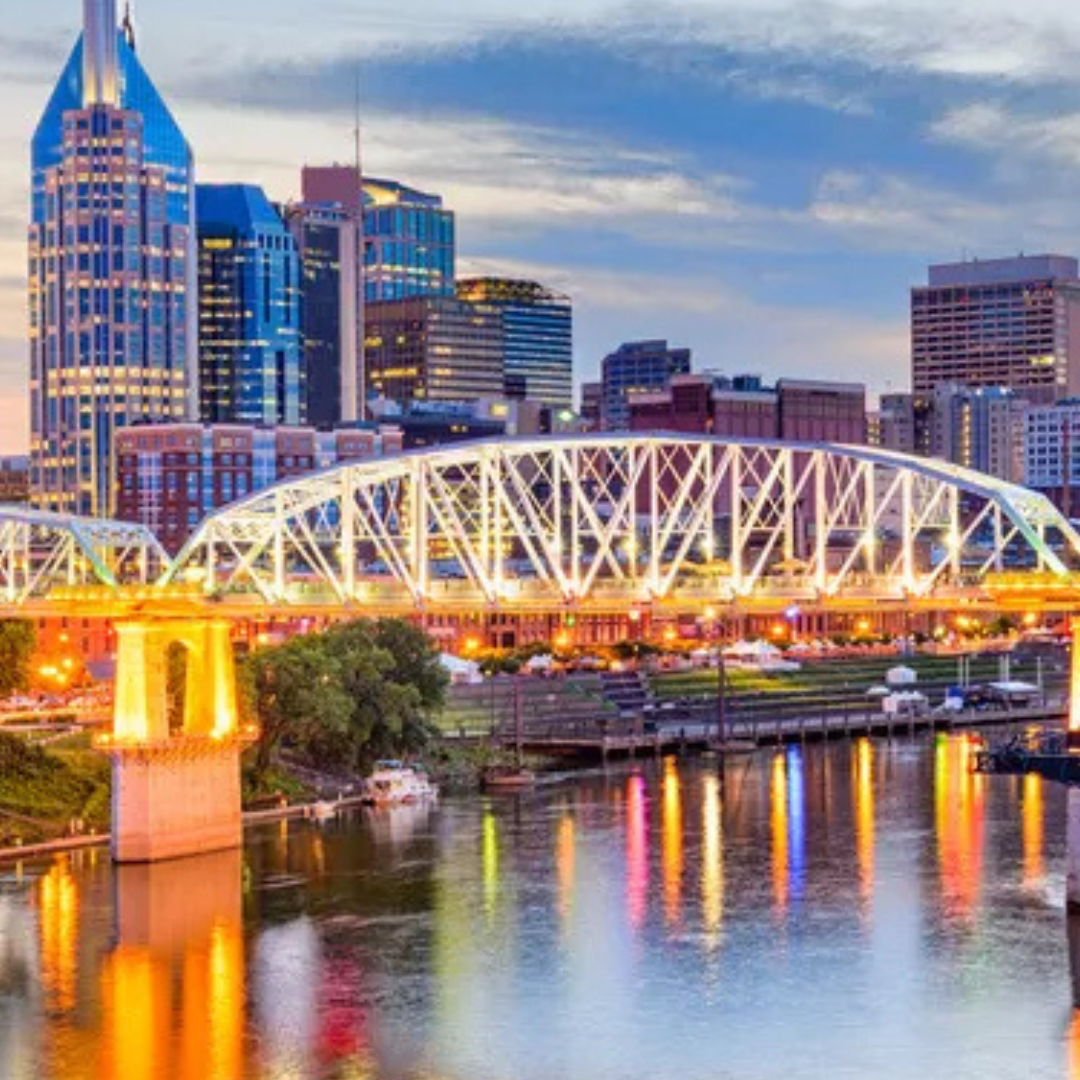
<point x="393" y="782"/>
<point x="324" y="811"/>
<point x="507" y="778"/>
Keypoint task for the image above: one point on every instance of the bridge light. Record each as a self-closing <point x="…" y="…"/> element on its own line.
<point x="710" y="614"/>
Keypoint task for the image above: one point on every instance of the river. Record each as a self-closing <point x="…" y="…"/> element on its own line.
<point x="862" y="910"/>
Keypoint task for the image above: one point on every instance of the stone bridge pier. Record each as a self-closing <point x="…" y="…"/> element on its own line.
<point x="176" y="786"/>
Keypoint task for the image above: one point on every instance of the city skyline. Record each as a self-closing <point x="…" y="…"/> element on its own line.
<point x="772" y="201"/>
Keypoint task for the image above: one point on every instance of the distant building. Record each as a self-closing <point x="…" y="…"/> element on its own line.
<point x="592" y="406"/>
<point x="249" y="310"/>
<point x="538" y="337"/>
<point x="171" y="476"/>
<point x="637" y="367"/>
<point x="1004" y="322"/>
<point x="979" y="428"/>
<point x="437" y="423"/>
<point x="795" y="410"/>
<point x="434" y="349"/>
<point x="14" y="479"/>
<point x="409" y="243"/>
<point x="111" y="268"/>
<point x="327" y="226"/>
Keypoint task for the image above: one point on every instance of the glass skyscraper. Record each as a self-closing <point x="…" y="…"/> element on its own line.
<point x="538" y="337"/>
<point x="112" y="268"/>
<point x="637" y="367"/>
<point x="249" y="309"/>
<point x="409" y="243"/>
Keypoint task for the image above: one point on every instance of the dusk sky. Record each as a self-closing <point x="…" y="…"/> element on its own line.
<point x="761" y="180"/>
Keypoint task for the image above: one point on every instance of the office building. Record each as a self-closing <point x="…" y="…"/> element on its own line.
<point x="592" y="406"/>
<point x="1004" y="322"/>
<point x="327" y="226"/>
<point x="538" y="337"/>
<point x="14" y="479"/>
<point x="637" y="367"/>
<point x="249" y="310"/>
<point x="409" y="243"/>
<point x="743" y="407"/>
<point x="904" y="423"/>
<point x="434" y="349"/>
<point x="112" y="267"/>
<point x="1050" y="452"/>
<point x="437" y="423"/>
<point x="171" y="476"/>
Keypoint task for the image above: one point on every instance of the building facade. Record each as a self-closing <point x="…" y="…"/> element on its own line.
<point x="171" y="476"/>
<point x="249" y="310"/>
<point x="327" y="226"/>
<point x="434" y="349"/>
<point x="793" y="410"/>
<point x="637" y="367"/>
<point x="409" y="243"/>
<point x="1004" y="322"/>
<point x="538" y="337"/>
<point x="111" y="268"/>
<point x="14" y="479"/>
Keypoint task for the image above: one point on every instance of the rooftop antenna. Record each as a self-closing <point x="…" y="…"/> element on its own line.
<point x="128" y="26"/>
<point x="358" y="132"/>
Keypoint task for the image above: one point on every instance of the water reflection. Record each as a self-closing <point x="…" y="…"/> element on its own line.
<point x="622" y="926"/>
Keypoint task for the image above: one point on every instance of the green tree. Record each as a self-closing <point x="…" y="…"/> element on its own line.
<point x="17" y="644"/>
<point x="297" y="695"/>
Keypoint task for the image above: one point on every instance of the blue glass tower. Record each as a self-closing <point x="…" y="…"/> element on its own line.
<point x="112" y="268"/>
<point x="409" y="243"/>
<point x="249" y="309"/>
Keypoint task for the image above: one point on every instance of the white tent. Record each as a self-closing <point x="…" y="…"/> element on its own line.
<point x="901" y="676"/>
<point x="540" y="663"/>
<point x="465" y="672"/>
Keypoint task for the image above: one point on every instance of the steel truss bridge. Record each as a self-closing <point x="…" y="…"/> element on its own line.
<point x="595" y="523"/>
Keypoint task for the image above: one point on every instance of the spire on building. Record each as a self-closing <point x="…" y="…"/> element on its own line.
<point x="101" y="61"/>
<point x="128" y="26"/>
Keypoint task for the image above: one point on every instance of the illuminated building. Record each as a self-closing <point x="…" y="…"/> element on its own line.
<point x="328" y="228"/>
<point x="14" y="479"/>
<point x="434" y="349"/>
<point x="538" y="337"/>
<point x="249" y="309"/>
<point x="170" y="476"/>
<point x="409" y="243"/>
<point x="637" y="367"/>
<point x="112" y="268"/>
<point x="1003" y="322"/>
<point x="796" y="409"/>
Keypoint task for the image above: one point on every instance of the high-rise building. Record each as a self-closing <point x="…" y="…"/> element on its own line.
<point x="409" y="243"/>
<point x="634" y="368"/>
<point x="592" y="405"/>
<point x="14" y="479"/>
<point x="112" y="267"/>
<point x="249" y="309"/>
<point x="434" y="349"/>
<point x="904" y="422"/>
<point x="538" y="337"/>
<point x="171" y="476"/>
<point x="1003" y="322"/>
<point x="328" y="228"/>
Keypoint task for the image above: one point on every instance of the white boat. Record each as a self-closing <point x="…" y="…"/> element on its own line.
<point x="393" y="782"/>
<point x="324" y="811"/>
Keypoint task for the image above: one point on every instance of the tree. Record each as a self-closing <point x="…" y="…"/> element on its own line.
<point x="298" y="698"/>
<point x="17" y="644"/>
<point x="342" y="700"/>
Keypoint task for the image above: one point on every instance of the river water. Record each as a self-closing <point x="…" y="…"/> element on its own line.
<point x="863" y="910"/>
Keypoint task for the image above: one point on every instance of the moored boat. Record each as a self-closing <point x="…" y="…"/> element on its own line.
<point x="507" y="778"/>
<point x="393" y="782"/>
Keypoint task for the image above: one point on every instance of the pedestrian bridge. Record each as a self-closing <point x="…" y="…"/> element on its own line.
<point x="596" y="522"/>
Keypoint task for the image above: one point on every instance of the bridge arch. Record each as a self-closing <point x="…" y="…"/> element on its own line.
<point x="40" y="551"/>
<point x="616" y="520"/>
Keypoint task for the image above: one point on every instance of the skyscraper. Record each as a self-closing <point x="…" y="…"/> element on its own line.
<point x="112" y="267"/>
<point x="1001" y="322"/>
<point x="538" y="337"/>
<point x="249" y="309"/>
<point x="434" y="349"/>
<point x="328" y="228"/>
<point x="409" y="243"/>
<point x="637" y="367"/>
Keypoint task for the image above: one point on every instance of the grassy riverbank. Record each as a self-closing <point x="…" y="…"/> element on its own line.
<point x="44" y="789"/>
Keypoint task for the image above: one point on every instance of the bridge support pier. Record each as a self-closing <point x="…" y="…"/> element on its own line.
<point x="176" y="788"/>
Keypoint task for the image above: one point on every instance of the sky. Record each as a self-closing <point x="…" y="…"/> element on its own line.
<point x="760" y="180"/>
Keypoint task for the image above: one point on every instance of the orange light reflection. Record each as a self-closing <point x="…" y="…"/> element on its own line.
<point x="778" y="819"/>
<point x="673" y="860"/>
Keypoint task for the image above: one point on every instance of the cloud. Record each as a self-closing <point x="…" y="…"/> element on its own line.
<point x="1027" y="138"/>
